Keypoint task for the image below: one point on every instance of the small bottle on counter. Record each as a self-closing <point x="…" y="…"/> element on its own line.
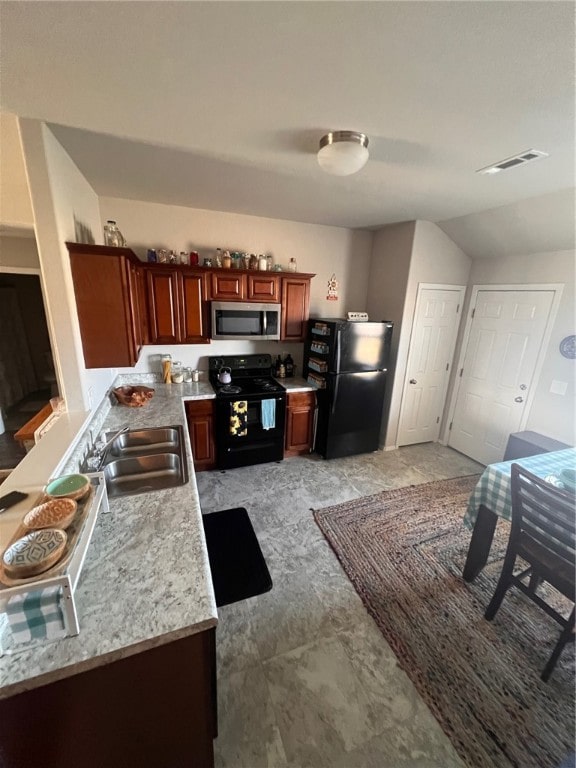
<point x="289" y="366"/>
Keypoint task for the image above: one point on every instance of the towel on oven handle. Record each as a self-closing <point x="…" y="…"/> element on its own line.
<point x="239" y="418"/>
<point x="268" y="413"/>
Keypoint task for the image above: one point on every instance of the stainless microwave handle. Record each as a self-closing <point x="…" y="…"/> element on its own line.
<point x="265" y="323"/>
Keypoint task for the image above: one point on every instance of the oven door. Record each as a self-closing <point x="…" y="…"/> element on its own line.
<point x="241" y="434"/>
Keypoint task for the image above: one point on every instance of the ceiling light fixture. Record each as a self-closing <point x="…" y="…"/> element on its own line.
<point x="342" y="153"/>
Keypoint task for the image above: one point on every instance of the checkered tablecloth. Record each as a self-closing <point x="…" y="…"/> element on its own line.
<point x="493" y="488"/>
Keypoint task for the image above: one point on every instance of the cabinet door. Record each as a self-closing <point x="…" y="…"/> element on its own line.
<point x="139" y="305"/>
<point x="295" y="308"/>
<point x="162" y="288"/>
<point x="193" y="309"/>
<point x="264" y="287"/>
<point x="299" y="423"/>
<point x="200" y="417"/>
<point x="228" y="285"/>
<point x="105" y="312"/>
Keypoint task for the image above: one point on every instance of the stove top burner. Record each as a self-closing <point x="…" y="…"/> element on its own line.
<point x="229" y="389"/>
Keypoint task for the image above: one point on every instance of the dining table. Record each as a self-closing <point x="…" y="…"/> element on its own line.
<point x="491" y="500"/>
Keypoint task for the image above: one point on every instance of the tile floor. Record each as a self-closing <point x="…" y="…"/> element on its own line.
<point x="305" y="679"/>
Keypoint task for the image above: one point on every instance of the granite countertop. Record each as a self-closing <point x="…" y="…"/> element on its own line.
<point x="296" y="384"/>
<point x="146" y="579"/>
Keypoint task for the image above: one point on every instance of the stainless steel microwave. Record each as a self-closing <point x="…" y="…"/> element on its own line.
<point x="243" y="320"/>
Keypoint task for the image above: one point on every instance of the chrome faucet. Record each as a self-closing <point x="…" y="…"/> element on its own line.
<point x="96" y="461"/>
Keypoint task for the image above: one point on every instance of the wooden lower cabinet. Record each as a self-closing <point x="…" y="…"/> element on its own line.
<point x="300" y="410"/>
<point x="200" y="417"/>
<point x="156" y="708"/>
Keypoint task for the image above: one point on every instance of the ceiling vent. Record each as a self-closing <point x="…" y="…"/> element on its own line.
<point x="511" y="162"/>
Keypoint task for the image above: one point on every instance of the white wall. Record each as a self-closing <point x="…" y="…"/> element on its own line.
<point x="317" y="249"/>
<point x="552" y="415"/>
<point x="18" y="253"/>
<point x="389" y="270"/>
<point x="15" y="206"/>
<point x="63" y="204"/>
<point x="403" y="256"/>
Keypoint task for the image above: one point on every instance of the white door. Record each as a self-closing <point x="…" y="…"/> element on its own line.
<point x="505" y="341"/>
<point x="432" y="342"/>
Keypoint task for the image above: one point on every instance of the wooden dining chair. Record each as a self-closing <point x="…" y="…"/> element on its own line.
<point x="543" y="534"/>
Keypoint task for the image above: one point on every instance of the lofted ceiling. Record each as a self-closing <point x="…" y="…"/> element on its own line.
<point x="221" y="105"/>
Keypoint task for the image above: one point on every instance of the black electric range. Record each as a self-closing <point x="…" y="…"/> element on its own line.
<point x="250" y="410"/>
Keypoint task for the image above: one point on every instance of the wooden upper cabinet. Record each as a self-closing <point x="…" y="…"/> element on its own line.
<point x="193" y="309"/>
<point x="110" y="314"/>
<point x="163" y="301"/>
<point x="263" y="287"/>
<point x="230" y="286"/>
<point x="177" y="308"/>
<point x="295" y="307"/>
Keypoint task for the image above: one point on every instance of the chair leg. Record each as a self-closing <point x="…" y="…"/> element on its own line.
<point x="565" y="636"/>
<point x="504" y="582"/>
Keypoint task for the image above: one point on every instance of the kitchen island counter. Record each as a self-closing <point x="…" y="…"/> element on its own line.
<point x="146" y="579"/>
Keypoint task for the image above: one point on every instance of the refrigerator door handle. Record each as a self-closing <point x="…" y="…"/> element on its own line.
<point x="338" y="350"/>
<point x="314" y="427"/>
<point x="335" y="397"/>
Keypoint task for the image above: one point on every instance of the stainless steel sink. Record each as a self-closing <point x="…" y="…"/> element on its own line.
<point x="153" y="440"/>
<point x="145" y="460"/>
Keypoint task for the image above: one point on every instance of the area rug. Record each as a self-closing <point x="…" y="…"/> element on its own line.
<point x="404" y="551"/>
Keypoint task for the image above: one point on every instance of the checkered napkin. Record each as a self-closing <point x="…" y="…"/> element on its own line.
<point x="36" y="616"/>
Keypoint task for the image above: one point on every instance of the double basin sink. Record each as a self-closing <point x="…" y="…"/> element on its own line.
<point x="145" y="460"/>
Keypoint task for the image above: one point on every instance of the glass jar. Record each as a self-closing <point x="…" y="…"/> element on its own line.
<point x="226" y="260"/>
<point x="269" y="263"/>
<point x="187" y="375"/>
<point x="177" y="372"/>
<point x="253" y="261"/>
<point x="166" y="368"/>
<point x="112" y="235"/>
<point x="162" y="256"/>
<point x="262" y="263"/>
<point x="184" y="258"/>
<point x="292" y="266"/>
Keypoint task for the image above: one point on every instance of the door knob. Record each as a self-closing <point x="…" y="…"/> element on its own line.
<point x="523" y="387"/>
<point x="413" y="381"/>
<point x="518" y="399"/>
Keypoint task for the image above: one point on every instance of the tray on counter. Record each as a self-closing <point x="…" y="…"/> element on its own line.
<point x="66" y="572"/>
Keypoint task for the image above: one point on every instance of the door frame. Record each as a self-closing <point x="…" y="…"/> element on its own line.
<point x="433" y="287"/>
<point x="557" y="288"/>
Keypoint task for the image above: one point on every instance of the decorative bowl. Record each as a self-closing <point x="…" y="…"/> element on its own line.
<point x="56" y="513"/>
<point x="34" y="553"/>
<point x="133" y="397"/>
<point x="69" y="487"/>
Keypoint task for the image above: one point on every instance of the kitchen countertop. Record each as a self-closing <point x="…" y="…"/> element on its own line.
<point x="296" y="384"/>
<point x="146" y="579"/>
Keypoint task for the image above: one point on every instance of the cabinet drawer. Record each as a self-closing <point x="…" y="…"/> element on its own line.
<point x="264" y="287"/>
<point x="230" y="286"/>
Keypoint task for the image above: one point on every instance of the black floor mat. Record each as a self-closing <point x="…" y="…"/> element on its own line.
<point x="236" y="560"/>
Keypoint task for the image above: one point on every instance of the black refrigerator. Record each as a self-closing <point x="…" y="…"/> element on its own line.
<point x="348" y="361"/>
